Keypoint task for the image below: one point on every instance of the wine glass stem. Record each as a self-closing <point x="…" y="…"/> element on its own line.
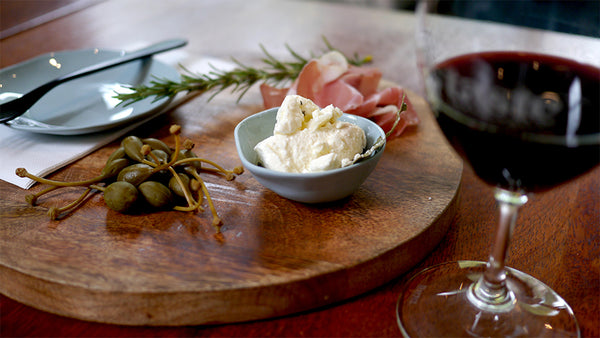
<point x="490" y="292"/>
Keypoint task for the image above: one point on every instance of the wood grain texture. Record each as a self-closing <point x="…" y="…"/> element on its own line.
<point x="274" y="256"/>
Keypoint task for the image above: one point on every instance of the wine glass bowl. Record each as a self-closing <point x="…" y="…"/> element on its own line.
<point x="523" y="111"/>
<point x="513" y="115"/>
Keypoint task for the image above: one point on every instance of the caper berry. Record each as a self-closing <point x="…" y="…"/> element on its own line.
<point x="135" y="173"/>
<point x="155" y="193"/>
<point x="176" y="187"/>
<point x="156" y="174"/>
<point x="113" y="168"/>
<point x="133" y="146"/>
<point x="120" y="196"/>
<point x="160" y="155"/>
<point x="157" y="145"/>
<point x="186" y="153"/>
<point x="118" y="153"/>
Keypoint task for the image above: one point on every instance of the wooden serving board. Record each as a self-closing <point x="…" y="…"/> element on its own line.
<point x="274" y="256"/>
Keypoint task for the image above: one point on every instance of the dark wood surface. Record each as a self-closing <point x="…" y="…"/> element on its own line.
<point x="18" y="15"/>
<point x="556" y="238"/>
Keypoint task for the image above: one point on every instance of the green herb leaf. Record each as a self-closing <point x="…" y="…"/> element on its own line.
<point x="240" y="79"/>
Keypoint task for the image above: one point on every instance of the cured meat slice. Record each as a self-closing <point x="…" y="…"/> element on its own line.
<point x="364" y="79"/>
<point x="354" y="90"/>
<point x="272" y="96"/>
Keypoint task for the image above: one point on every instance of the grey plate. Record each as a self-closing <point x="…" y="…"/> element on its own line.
<point x="83" y="105"/>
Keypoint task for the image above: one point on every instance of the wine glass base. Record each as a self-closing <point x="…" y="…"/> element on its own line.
<point x="435" y="303"/>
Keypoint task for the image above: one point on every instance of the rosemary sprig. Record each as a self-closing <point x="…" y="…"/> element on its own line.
<point x="240" y="79"/>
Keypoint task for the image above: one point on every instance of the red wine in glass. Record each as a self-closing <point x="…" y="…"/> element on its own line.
<point x="523" y="121"/>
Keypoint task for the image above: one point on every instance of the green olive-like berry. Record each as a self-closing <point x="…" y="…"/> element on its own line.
<point x="118" y="153"/>
<point x="162" y="156"/>
<point x="157" y="144"/>
<point x="114" y="167"/>
<point x="133" y="146"/>
<point x="135" y="173"/>
<point x="185" y="154"/>
<point x="120" y="196"/>
<point x="176" y="187"/>
<point x="155" y="193"/>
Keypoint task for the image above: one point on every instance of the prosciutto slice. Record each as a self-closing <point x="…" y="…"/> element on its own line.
<point x="354" y="90"/>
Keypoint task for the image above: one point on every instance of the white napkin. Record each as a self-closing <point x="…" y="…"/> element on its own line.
<point x="43" y="154"/>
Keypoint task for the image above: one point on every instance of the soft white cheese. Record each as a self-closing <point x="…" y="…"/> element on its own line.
<point x="308" y="139"/>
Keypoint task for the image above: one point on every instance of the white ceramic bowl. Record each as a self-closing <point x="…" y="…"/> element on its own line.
<point x="318" y="187"/>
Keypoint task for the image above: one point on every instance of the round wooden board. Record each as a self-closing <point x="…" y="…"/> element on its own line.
<point x="274" y="256"/>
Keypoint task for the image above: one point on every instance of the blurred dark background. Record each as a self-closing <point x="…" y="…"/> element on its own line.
<point x="575" y="16"/>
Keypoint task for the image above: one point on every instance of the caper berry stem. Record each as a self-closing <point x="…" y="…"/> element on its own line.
<point x="188" y="208"/>
<point x="186" y="192"/>
<point x="97" y="187"/>
<point x="55" y="213"/>
<point x="229" y="174"/>
<point x="216" y="219"/>
<point x="175" y="130"/>
<point x="156" y="162"/>
<point x="187" y="144"/>
<point x="197" y="187"/>
<point x="32" y="198"/>
<point x="22" y="172"/>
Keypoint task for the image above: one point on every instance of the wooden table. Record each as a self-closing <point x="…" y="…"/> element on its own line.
<point x="556" y="239"/>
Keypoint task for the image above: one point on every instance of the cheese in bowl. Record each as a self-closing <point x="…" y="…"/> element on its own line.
<point x="309" y="187"/>
<point x="309" y="139"/>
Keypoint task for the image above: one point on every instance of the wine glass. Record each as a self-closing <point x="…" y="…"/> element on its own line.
<point x="520" y="105"/>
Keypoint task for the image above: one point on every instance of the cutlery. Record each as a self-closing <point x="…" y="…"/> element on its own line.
<point x="19" y="106"/>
